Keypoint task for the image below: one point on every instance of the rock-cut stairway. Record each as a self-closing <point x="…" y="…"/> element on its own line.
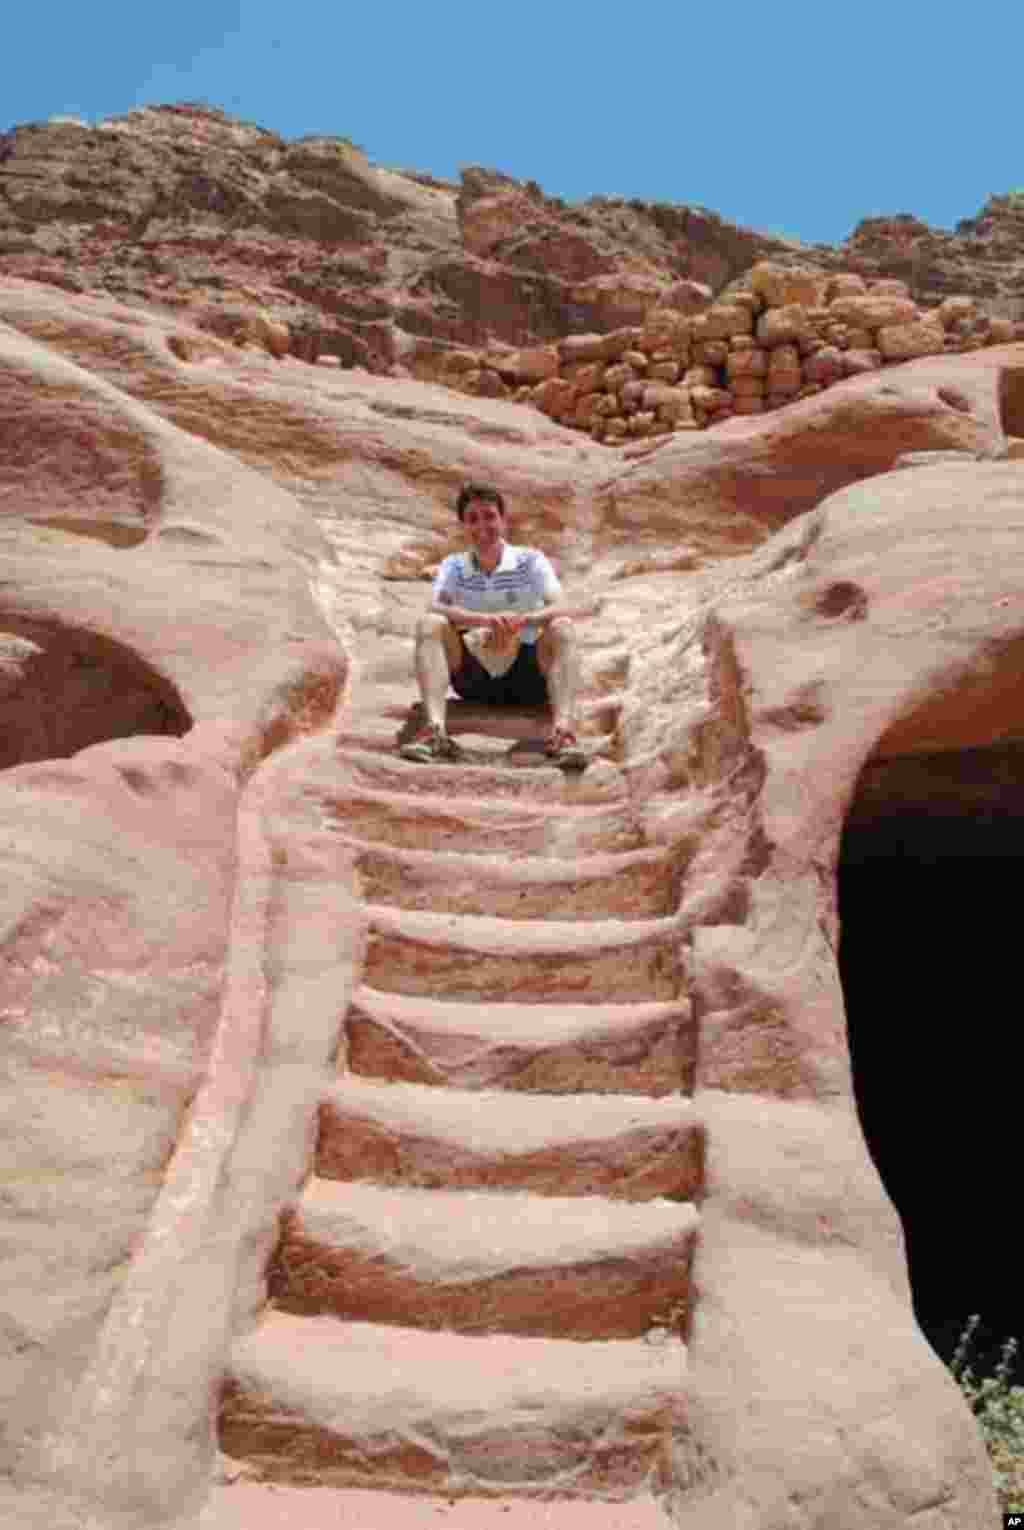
<point x="480" y="1300"/>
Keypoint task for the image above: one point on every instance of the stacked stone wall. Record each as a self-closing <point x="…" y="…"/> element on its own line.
<point x="784" y="335"/>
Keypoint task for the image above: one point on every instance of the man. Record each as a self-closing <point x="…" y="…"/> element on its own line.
<point x="497" y="629"/>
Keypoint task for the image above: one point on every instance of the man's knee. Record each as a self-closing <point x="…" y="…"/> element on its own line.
<point x="432" y="626"/>
<point x="560" y="632"/>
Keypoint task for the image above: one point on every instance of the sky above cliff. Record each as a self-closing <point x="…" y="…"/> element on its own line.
<point x="789" y="118"/>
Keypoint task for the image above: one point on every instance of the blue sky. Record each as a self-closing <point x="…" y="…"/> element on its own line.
<point x="792" y="118"/>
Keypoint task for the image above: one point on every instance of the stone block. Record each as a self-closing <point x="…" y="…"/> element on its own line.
<point x="783" y="326"/>
<point x="726" y="319"/>
<point x="874" y="310"/>
<point x="787" y="286"/>
<point x="616" y="375"/>
<point x="902" y="342"/>
<point x="665" y="371"/>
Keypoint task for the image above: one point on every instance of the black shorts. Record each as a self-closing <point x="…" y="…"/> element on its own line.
<point x="521" y="686"/>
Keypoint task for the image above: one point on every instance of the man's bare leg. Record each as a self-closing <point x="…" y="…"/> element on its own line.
<point x="438" y="655"/>
<point x="558" y="658"/>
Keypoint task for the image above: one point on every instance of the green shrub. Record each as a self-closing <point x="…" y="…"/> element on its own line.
<point x="999" y="1409"/>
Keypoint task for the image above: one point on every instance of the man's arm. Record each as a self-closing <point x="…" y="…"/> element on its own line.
<point x="459" y="616"/>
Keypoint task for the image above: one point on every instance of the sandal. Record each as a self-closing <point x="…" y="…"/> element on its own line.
<point x="562" y="749"/>
<point x="429" y="744"/>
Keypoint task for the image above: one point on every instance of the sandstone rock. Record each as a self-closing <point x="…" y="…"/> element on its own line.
<point x="555" y="396"/>
<point x="688" y="297"/>
<point x="605" y="404"/>
<point x="635" y="359"/>
<point x="747" y="386"/>
<point x="587" y="376"/>
<point x="784" y="287"/>
<point x="782" y="326"/>
<point x="710" y="353"/>
<point x="587" y="408"/>
<point x="844" y="284"/>
<point x="1001" y="331"/>
<point x="668" y="402"/>
<point x="825" y="366"/>
<point x="618" y="298"/>
<point x="700" y="377"/>
<point x="745" y="298"/>
<point x="900" y="342"/>
<point x="308" y="230"/>
<point x="889" y="286"/>
<point x="631" y="392"/>
<point x="527" y="366"/>
<point x="484" y="383"/>
<point x="747" y="363"/>
<point x="723" y="320"/>
<point x="665" y="371"/>
<point x="577" y="348"/>
<point x="616" y="375"/>
<point x="676" y="414"/>
<point x="952" y="309"/>
<point x="749" y="403"/>
<point x="783" y="359"/>
<point x="858" y="361"/>
<point x="664" y="329"/>
<point x="710" y="399"/>
<point x="875" y="310"/>
<point x="195" y="347"/>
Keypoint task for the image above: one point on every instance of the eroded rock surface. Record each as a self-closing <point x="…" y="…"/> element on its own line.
<point x="279" y="1006"/>
<point x="309" y="247"/>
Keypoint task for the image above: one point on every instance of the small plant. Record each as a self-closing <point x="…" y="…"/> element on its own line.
<point x="999" y="1409"/>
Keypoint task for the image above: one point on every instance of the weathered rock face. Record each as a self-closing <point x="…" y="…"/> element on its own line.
<point x="983" y="256"/>
<point x="229" y="223"/>
<point x="467" y="1132"/>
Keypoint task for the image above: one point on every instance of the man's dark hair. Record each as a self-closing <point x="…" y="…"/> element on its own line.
<point x="484" y="491"/>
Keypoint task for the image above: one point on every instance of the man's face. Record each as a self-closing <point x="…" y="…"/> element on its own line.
<point x="485" y="525"/>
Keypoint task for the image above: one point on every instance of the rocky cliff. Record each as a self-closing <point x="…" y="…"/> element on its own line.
<point x="189" y="208"/>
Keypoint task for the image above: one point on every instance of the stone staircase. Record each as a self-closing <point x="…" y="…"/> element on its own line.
<point x="482" y="1295"/>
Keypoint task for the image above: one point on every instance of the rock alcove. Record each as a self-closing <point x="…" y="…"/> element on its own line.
<point x="930" y="908"/>
<point x="63" y="690"/>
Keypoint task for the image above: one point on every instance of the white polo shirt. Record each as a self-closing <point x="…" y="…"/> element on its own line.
<point x="522" y="581"/>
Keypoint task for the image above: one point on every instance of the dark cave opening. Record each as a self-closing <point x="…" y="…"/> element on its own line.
<point x="930" y="913"/>
<point x="63" y="689"/>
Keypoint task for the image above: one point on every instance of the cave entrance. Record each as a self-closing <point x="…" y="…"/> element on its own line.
<point x="63" y="689"/>
<point x="930" y="902"/>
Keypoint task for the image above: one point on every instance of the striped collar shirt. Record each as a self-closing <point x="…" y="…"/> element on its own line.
<point x="522" y="581"/>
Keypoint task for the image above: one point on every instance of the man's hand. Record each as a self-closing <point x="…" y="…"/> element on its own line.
<point x="505" y="624"/>
<point x="503" y="632"/>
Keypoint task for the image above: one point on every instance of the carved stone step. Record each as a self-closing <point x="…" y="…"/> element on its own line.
<point x="626" y="1146"/>
<point x="595" y="715"/>
<point x="487" y="1261"/>
<point x="317" y="1400"/>
<point x="454" y="822"/>
<point x="463" y="957"/>
<point x="244" y="1505"/>
<point x="646" y="1048"/>
<point x="635" y="885"/>
<point x="490" y="769"/>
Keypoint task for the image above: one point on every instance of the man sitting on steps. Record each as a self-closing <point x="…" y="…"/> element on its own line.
<point x="496" y="630"/>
